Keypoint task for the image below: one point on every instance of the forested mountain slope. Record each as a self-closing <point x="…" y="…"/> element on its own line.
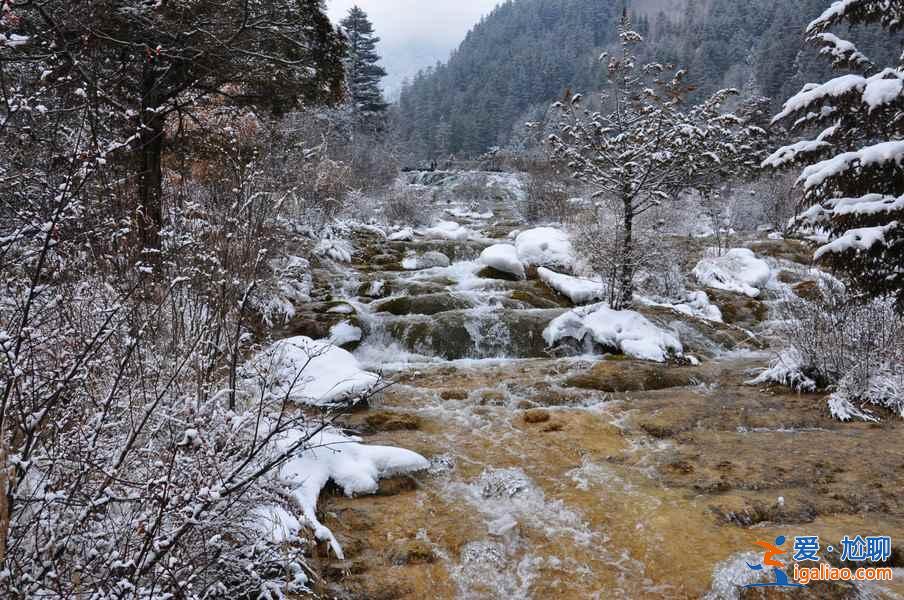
<point x="527" y="52"/>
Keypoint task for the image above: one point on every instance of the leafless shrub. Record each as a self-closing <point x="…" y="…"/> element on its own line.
<point x="835" y="341"/>
<point x="547" y="195"/>
<point x="408" y="205"/>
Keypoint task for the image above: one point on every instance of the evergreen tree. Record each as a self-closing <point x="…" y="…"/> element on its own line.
<point x="363" y="73"/>
<point x="857" y="193"/>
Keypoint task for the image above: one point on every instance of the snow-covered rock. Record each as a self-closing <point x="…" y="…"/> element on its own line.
<point x="355" y="467"/>
<point x="545" y="247"/>
<point x="402" y="235"/>
<point x="577" y="289"/>
<point x="738" y="270"/>
<point x="504" y="258"/>
<point x="695" y="304"/>
<point x="427" y="260"/>
<point x="625" y="330"/>
<point x="338" y="250"/>
<point x="449" y="230"/>
<point x="311" y="372"/>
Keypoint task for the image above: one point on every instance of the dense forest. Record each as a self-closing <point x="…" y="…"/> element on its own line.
<point x="526" y="53"/>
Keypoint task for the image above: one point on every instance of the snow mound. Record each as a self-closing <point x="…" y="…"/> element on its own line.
<point x="355" y="467"/>
<point x="545" y="247"/>
<point x="628" y="331"/>
<point x="311" y="372"/>
<point x="504" y="258"/>
<point x="449" y="230"/>
<point x="578" y="290"/>
<point x="738" y="270"/>
<point x="427" y="260"/>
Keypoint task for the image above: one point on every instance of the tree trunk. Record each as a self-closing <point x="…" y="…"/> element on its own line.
<point x="149" y="210"/>
<point x="627" y="273"/>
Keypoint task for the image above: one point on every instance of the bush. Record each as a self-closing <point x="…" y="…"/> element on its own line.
<point x="408" y="205"/>
<point x="547" y="195"/>
<point x="839" y="343"/>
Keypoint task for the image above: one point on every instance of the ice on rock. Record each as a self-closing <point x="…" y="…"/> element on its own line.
<point x="545" y="247"/>
<point x="354" y="467"/>
<point x="738" y="270"/>
<point x="577" y="289"/>
<point x="503" y="258"/>
<point x="310" y="372"/>
<point x="625" y="330"/>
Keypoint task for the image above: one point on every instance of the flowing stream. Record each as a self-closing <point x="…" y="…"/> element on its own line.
<point x="574" y="476"/>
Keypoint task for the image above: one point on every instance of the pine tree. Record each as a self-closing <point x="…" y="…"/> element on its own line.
<point x="363" y="73"/>
<point x="856" y="195"/>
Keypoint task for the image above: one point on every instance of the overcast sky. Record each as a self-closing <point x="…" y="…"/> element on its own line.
<point x="415" y="33"/>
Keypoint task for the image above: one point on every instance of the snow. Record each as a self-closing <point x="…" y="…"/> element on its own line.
<point x="857" y="239"/>
<point x="338" y="250"/>
<point x="12" y="40"/>
<point x="833" y="13"/>
<point x="402" y="235"/>
<point x="695" y="304"/>
<point x="449" y="230"/>
<point x="504" y="258"/>
<point x="878" y="90"/>
<point x="345" y="333"/>
<point x="545" y="247"/>
<point x="278" y="524"/>
<point x="738" y="270"/>
<point x="789" y="154"/>
<point x="577" y="289"/>
<point x="626" y="330"/>
<point x="311" y="372"/>
<point x="884" y="152"/>
<point x="355" y="467"/>
<point x="870" y="204"/>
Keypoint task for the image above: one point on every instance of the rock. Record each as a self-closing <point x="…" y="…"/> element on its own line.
<point x="427" y="260"/>
<point x="375" y="289"/>
<point x="808" y="290"/>
<point x="738" y="309"/>
<point x="815" y="590"/>
<point x="453" y="395"/>
<point x="393" y="486"/>
<point x="492" y="398"/>
<point x="791" y="250"/>
<point x="634" y="375"/>
<point x="491" y="273"/>
<point x="535" y="300"/>
<point x="427" y="304"/>
<point x="390" y="421"/>
<point x="536" y="415"/>
<point x="411" y="552"/>
<point x="309" y="327"/>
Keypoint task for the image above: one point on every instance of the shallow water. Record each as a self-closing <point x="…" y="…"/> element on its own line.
<point x="545" y="486"/>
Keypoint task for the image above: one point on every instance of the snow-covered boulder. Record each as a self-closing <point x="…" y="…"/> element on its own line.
<point x="402" y="235"/>
<point x="695" y="304"/>
<point x="345" y="333"/>
<point x="355" y="467"/>
<point x="577" y="289"/>
<point x="310" y="372"/>
<point x="427" y="260"/>
<point x="448" y="230"/>
<point x="738" y="270"/>
<point x="625" y="330"/>
<point x="503" y="258"/>
<point x="545" y="247"/>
